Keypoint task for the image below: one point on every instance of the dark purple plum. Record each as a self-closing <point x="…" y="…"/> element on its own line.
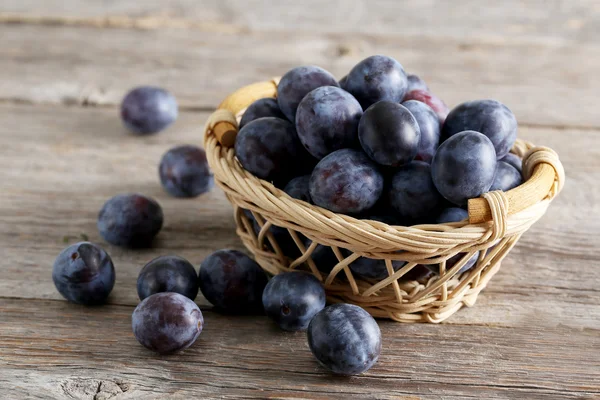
<point x="415" y="83"/>
<point x="489" y="117"/>
<point x="412" y="193"/>
<point x="83" y="273"/>
<point x="327" y="120"/>
<point x="168" y="274"/>
<point x="298" y="188"/>
<point x="389" y="134"/>
<point x="299" y="82"/>
<point x="452" y="214"/>
<point x="436" y="104"/>
<point x="261" y="108"/>
<point x="429" y="126"/>
<point x="507" y="177"/>
<point x="342" y="82"/>
<point x="184" y="171"/>
<point x="345" y="339"/>
<point x="232" y="282"/>
<point x="130" y="220"/>
<point x="371" y="268"/>
<point x="513" y="160"/>
<point x="292" y="299"/>
<point x="346" y="181"/>
<point x="167" y="322"/>
<point x="148" y="109"/>
<point x="464" y="167"/>
<point x="270" y="149"/>
<point x="377" y="78"/>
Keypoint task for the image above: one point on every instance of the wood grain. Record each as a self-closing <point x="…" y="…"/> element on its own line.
<point x="534" y="332"/>
<point x="66" y="349"/>
<point x="512" y="20"/>
<point x="77" y="158"/>
<point x="86" y="65"/>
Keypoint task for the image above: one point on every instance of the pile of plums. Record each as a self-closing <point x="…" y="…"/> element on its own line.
<point x="343" y="337"/>
<point x="377" y="143"/>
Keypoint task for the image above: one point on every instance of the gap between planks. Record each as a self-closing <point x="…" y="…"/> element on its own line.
<point x="205" y="109"/>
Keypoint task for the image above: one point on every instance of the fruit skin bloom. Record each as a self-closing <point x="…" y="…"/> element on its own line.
<point x="232" y="282"/>
<point x="167" y="322"/>
<point x="346" y="181"/>
<point x="292" y="299"/>
<point x="184" y="172"/>
<point x="84" y="273"/>
<point x="130" y="220"/>
<point x="464" y="167"/>
<point x="148" y="109"/>
<point x="345" y="339"/>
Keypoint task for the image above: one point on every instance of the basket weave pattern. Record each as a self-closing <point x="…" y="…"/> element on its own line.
<point x="394" y="297"/>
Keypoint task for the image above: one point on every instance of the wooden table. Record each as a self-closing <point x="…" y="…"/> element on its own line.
<point x="64" y="66"/>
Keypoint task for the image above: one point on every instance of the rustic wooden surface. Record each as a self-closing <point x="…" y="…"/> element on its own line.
<point x="64" y="65"/>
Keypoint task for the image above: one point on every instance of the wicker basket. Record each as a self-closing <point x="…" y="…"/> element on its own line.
<point x="496" y="221"/>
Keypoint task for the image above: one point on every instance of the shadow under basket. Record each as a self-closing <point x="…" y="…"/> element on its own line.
<point x="424" y="277"/>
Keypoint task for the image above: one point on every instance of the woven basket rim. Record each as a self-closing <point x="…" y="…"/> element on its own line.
<point x="278" y="208"/>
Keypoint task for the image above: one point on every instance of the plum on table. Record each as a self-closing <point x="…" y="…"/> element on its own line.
<point x="232" y="282"/>
<point x="84" y="273"/>
<point x="167" y="322"/>
<point x="131" y="220"/>
<point x="292" y="299"/>
<point x="148" y="109"/>
<point x="168" y="274"/>
<point x="184" y="171"/>
<point x="345" y="339"/>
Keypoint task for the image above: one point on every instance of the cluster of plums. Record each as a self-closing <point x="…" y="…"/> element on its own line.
<point x="343" y="337"/>
<point x="377" y="144"/>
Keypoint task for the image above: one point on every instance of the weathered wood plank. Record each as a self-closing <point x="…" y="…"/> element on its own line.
<point x="65" y="349"/>
<point x="76" y="158"/>
<point x="85" y="65"/>
<point x="514" y="20"/>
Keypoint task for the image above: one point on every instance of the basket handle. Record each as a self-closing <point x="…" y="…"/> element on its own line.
<point x="544" y="174"/>
<point x="226" y="129"/>
<point x="544" y="178"/>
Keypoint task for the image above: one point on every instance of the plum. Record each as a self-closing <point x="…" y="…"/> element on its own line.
<point x="489" y="117"/>
<point x="84" y="273"/>
<point x="389" y="134"/>
<point x="345" y="339"/>
<point x="292" y="299"/>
